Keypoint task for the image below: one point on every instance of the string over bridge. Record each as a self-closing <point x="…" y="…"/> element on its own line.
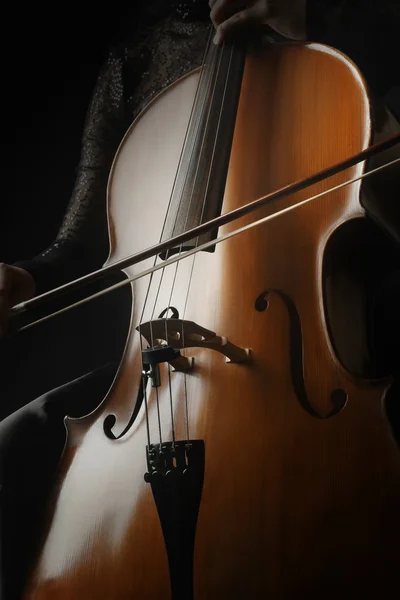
<point x="179" y="334"/>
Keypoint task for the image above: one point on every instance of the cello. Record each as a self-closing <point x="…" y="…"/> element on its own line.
<point x="237" y="453"/>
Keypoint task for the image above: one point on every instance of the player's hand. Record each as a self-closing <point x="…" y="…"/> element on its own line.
<point x="16" y="285"/>
<point x="230" y="17"/>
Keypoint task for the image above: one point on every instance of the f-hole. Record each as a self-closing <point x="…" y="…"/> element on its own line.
<point x="338" y="396"/>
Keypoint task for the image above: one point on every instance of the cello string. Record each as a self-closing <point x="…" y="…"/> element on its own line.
<point x="180" y="204"/>
<point x="213" y="74"/>
<point x="206" y="245"/>
<point x="180" y="161"/>
<point x="144" y="385"/>
<point x="191" y="150"/>
<point x="144" y="372"/>
<point x="185" y="152"/>
<point x="198" y="237"/>
<point x="220" y="54"/>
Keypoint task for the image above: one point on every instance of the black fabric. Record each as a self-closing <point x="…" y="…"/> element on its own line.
<point x="31" y="443"/>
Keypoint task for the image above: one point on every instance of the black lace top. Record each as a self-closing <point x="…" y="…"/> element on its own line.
<point x="168" y="40"/>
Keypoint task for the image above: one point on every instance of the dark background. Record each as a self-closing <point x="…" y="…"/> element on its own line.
<point x="49" y="71"/>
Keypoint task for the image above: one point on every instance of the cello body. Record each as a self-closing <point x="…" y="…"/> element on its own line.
<point x="298" y="474"/>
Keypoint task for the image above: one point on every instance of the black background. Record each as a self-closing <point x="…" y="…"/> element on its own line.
<point x="50" y="65"/>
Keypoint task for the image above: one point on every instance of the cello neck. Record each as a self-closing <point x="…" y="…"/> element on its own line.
<point x="200" y="182"/>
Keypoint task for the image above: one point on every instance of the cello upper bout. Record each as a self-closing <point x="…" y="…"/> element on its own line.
<point x="144" y="168"/>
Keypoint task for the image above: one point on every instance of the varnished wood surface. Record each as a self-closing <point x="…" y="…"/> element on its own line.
<point x="293" y="506"/>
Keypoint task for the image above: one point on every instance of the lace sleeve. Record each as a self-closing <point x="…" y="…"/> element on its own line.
<point x="81" y="244"/>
